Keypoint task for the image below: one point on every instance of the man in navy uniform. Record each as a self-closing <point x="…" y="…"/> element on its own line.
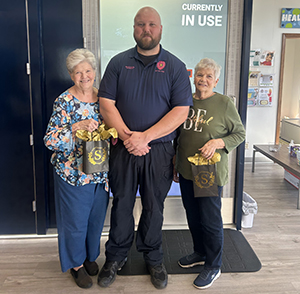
<point x="145" y="94"/>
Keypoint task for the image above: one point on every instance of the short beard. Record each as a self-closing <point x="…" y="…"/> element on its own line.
<point x="147" y="45"/>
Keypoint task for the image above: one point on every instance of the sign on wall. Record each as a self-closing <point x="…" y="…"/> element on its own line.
<point x="290" y="18"/>
<point x="192" y="30"/>
<point x="260" y="83"/>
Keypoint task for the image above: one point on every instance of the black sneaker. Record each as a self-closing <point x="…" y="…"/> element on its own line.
<point x="206" y="278"/>
<point x="191" y="260"/>
<point x="108" y="272"/>
<point x="82" y="279"/>
<point x="91" y="267"/>
<point x="159" y="276"/>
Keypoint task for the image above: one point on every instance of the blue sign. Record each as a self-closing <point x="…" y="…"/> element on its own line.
<point x="290" y="18"/>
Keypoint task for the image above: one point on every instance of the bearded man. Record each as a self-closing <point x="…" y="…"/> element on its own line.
<point x="145" y="94"/>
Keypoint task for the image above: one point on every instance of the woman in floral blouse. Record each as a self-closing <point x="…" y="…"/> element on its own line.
<point x="80" y="199"/>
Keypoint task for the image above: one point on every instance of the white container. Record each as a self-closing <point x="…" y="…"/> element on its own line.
<point x="291" y="145"/>
<point x="247" y="220"/>
<point x="249" y="208"/>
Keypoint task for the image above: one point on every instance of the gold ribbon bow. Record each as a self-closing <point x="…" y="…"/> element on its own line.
<point x="198" y="159"/>
<point x="102" y="133"/>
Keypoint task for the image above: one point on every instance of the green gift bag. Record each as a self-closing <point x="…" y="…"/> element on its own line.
<point x="95" y="156"/>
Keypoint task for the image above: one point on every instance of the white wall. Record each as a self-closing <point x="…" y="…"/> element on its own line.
<point x="288" y="80"/>
<point x="266" y="35"/>
<point x="291" y="86"/>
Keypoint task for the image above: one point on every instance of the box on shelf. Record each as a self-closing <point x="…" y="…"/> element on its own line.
<point x="292" y="179"/>
<point x="294" y="150"/>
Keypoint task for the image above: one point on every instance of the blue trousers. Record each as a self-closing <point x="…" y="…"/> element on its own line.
<point x="205" y="223"/>
<point x="152" y="174"/>
<point x="80" y="215"/>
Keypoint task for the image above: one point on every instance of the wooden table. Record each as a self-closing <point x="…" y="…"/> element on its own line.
<point x="280" y="157"/>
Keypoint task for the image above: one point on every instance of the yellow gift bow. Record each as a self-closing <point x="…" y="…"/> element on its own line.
<point x="102" y="133"/>
<point x="198" y="159"/>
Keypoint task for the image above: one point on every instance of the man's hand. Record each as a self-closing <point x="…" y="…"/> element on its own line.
<point x="175" y="173"/>
<point x="137" y="143"/>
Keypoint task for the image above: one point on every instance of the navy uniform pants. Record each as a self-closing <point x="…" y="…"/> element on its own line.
<point x="80" y="215"/>
<point x="205" y="223"/>
<point x="152" y="175"/>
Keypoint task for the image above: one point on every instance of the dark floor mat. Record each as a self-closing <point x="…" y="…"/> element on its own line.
<point x="238" y="255"/>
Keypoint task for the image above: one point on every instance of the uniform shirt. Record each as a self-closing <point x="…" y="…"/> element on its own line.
<point x="212" y="118"/>
<point x="67" y="153"/>
<point x="144" y="94"/>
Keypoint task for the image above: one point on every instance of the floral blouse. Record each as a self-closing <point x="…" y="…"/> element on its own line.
<point x="67" y="153"/>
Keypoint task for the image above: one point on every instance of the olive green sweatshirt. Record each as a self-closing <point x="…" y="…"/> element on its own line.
<point x="212" y="118"/>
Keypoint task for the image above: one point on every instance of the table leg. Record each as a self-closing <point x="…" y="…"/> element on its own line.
<point x="253" y="160"/>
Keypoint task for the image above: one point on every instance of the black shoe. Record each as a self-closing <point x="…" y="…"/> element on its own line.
<point x="81" y="278"/>
<point x="91" y="267"/>
<point x="191" y="260"/>
<point x="206" y="278"/>
<point x="159" y="276"/>
<point x="108" y="272"/>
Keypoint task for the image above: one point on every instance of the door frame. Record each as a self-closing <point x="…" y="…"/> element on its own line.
<point x="285" y="37"/>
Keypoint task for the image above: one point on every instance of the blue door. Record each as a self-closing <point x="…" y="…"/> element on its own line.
<point x="36" y="37"/>
<point x="16" y="172"/>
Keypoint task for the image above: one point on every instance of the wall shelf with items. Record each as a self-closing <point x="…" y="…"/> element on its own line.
<point x="260" y="86"/>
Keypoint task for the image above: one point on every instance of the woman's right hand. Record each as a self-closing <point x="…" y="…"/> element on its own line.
<point x="87" y="125"/>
